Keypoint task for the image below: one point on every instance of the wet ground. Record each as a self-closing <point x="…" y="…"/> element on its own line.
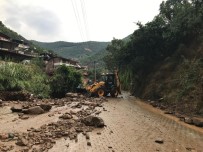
<point x="131" y="126"/>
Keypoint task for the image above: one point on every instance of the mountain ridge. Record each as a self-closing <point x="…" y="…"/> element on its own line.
<point x="74" y="50"/>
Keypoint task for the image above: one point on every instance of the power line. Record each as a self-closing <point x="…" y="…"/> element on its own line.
<point x="82" y="24"/>
<point x="85" y="18"/>
<point x="74" y="5"/>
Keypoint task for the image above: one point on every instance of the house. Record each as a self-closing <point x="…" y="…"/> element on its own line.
<point x="4" y="37"/>
<point x="14" y="49"/>
<point x="6" y="43"/>
<point x="22" y="46"/>
<point x="53" y="62"/>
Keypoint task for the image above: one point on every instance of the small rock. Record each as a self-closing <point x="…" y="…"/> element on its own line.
<point x="197" y="122"/>
<point x="104" y="109"/>
<point x="66" y="116"/>
<point x="98" y="112"/>
<point x="16" y="108"/>
<point x="190" y="149"/>
<point x="46" y="107"/>
<point x="22" y="142"/>
<point x="33" y="110"/>
<point x="89" y="143"/>
<point x="93" y="121"/>
<point x="87" y="136"/>
<point x="188" y="120"/>
<point x="159" y="140"/>
<point x="11" y="135"/>
<point x="98" y="133"/>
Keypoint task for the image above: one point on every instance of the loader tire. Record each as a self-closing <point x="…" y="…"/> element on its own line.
<point x="100" y="92"/>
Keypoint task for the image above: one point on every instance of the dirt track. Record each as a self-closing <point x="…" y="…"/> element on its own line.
<point x="132" y="126"/>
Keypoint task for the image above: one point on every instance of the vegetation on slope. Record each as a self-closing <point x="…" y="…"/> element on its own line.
<point x="73" y="50"/>
<point x="163" y="58"/>
<point x="31" y="78"/>
<point x="14" y="35"/>
<point x="10" y="33"/>
<point x="20" y="77"/>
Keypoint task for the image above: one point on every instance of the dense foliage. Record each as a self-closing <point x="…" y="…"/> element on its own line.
<point x="20" y="77"/>
<point x="179" y="23"/>
<point x="65" y="79"/>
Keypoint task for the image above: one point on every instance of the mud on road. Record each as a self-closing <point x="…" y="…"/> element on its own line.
<point x="131" y="126"/>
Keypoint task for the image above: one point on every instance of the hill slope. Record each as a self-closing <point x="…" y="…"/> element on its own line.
<point x="73" y="50"/>
<point x="163" y="60"/>
<point x="10" y="33"/>
<point x="14" y="35"/>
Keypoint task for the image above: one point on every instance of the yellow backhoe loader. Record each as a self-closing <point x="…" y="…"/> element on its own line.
<point x="110" y="84"/>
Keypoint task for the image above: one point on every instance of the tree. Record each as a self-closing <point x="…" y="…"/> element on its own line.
<point x="65" y="79"/>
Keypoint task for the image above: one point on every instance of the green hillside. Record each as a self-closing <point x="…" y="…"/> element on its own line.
<point x="99" y="56"/>
<point x="10" y="33"/>
<point x="76" y="51"/>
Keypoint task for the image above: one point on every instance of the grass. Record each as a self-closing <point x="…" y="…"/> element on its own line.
<point x="20" y="77"/>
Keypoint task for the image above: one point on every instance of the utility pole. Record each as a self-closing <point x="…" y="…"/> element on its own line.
<point x="95" y="71"/>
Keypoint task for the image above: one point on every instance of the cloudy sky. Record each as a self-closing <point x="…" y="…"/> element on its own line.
<point x="76" y="20"/>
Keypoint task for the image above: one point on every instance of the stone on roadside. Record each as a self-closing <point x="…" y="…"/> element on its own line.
<point x="22" y="141"/>
<point x="197" y="122"/>
<point x="188" y="120"/>
<point x="16" y="108"/>
<point x="93" y="121"/>
<point x="66" y="116"/>
<point x="46" y="107"/>
<point x="159" y="140"/>
<point x="24" y="117"/>
<point x="89" y="143"/>
<point x="33" y="110"/>
<point x="87" y="136"/>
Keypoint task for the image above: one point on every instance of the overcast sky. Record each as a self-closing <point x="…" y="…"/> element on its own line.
<point x="76" y="20"/>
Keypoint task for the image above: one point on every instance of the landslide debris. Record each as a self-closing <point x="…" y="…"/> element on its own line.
<point x="80" y="117"/>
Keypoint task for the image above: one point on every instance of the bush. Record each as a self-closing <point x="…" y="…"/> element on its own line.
<point x="19" y="77"/>
<point x="65" y="79"/>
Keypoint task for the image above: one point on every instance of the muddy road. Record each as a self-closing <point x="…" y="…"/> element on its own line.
<point x="131" y="126"/>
